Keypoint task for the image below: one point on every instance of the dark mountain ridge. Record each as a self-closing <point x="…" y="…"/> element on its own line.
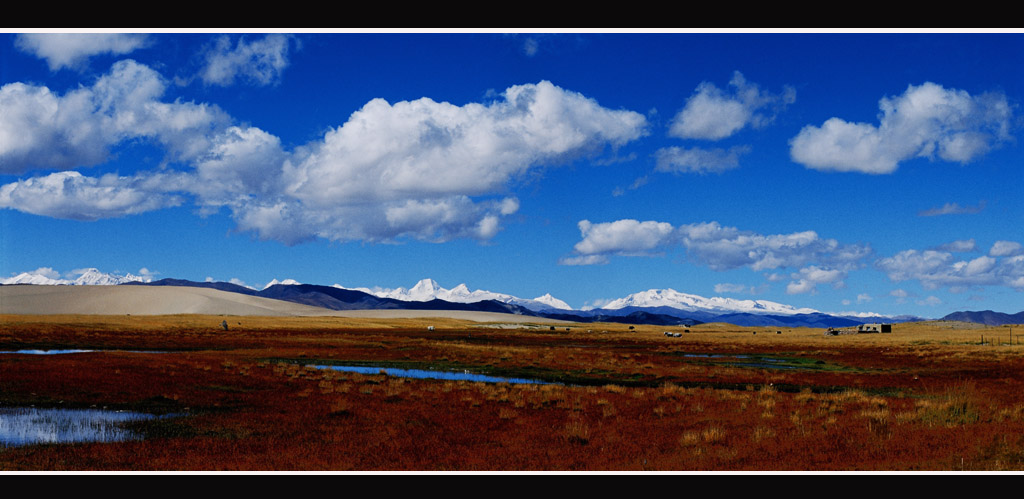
<point x="333" y="298"/>
<point x="986" y="317"/>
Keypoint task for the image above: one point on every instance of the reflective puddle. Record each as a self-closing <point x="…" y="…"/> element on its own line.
<point x="428" y="374"/>
<point x="29" y="425"/>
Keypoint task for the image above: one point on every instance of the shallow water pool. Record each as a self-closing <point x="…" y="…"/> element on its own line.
<point x="29" y="425"/>
<point x="429" y="374"/>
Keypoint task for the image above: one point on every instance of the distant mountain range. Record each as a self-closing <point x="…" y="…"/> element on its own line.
<point x="987" y="317"/>
<point x="429" y="289"/>
<point x="87" y="277"/>
<point x="656" y="306"/>
<point x="424" y="294"/>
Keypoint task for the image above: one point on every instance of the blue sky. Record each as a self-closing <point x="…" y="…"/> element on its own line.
<point x="866" y="172"/>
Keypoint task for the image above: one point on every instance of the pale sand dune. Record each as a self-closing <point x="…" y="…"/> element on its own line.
<point x="168" y="300"/>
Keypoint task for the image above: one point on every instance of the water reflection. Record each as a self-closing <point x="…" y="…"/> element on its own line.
<point x="29" y="425"/>
<point x="427" y="374"/>
<point x="61" y="352"/>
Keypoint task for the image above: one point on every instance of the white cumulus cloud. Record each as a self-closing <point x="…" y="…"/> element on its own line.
<point x="724" y="248"/>
<point x="925" y="121"/>
<point x="718" y="247"/>
<point x="624" y="237"/>
<point x="809" y="277"/>
<point x="934" y="269"/>
<point x="71" y="50"/>
<point x="420" y="169"/>
<point x="712" y="113"/>
<point x="70" y="195"/>
<point x="40" y="130"/>
<point x="1006" y="248"/>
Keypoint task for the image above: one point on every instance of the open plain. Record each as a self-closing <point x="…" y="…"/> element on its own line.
<point x="929" y="396"/>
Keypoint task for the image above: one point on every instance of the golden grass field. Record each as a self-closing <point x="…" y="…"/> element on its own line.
<point x="929" y="396"/>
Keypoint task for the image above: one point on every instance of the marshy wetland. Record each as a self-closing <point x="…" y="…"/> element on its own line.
<point x="337" y="394"/>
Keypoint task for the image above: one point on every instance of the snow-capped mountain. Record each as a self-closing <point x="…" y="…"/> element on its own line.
<point x="683" y="301"/>
<point x="86" y="277"/>
<point x="429" y="289"/>
<point x="286" y="282"/>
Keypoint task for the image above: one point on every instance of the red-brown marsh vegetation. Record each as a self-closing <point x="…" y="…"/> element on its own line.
<point x="926" y="397"/>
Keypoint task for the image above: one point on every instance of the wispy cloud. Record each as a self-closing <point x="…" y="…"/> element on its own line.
<point x="698" y="160"/>
<point x="729" y="288"/>
<point x="925" y="121"/>
<point x="820" y="261"/>
<point x="530" y="47"/>
<point x="258" y="62"/>
<point x="953" y="209"/>
<point x="964" y="246"/>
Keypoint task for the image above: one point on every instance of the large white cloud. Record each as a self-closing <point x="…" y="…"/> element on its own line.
<point x="935" y="268"/>
<point x="713" y="114"/>
<point x="41" y="130"/>
<point x="71" y="50"/>
<point x="414" y="169"/>
<point x="387" y="151"/>
<point x="259" y="61"/>
<point x="925" y="121"/>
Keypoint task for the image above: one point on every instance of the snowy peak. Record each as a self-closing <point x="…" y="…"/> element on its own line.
<point x="93" y="277"/>
<point x="429" y="289"/>
<point x="286" y="282"/>
<point x="426" y="290"/>
<point x="683" y="301"/>
<point x="86" y="277"/>
<point x="552" y="302"/>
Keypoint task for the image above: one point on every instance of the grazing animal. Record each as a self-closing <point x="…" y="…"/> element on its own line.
<point x="430" y="328"/>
